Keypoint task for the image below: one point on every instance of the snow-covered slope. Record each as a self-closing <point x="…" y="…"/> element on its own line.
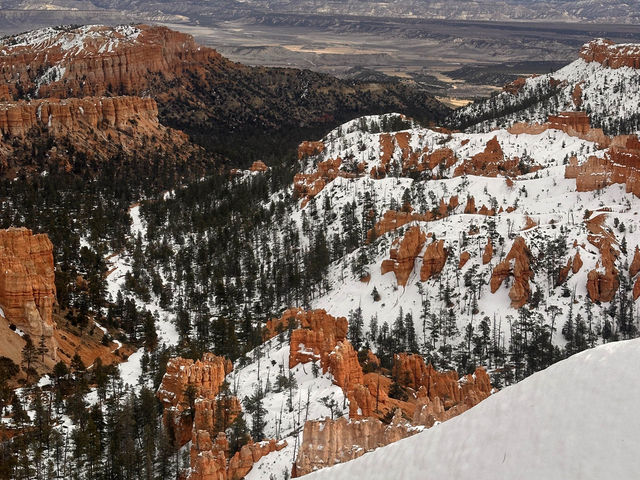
<point x="610" y="96"/>
<point x="578" y="419"/>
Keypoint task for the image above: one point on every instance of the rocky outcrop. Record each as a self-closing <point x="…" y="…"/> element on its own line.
<point x="403" y="254"/>
<point x="577" y="263"/>
<point x="464" y="258"/>
<point x="602" y="282"/>
<point x="208" y="460"/>
<point x="317" y="337"/>
<point x="308" y="185"/>
<point x="392" y="219"/>
<point x="636" y="289"/>
<point x="242" y="462"/>
<point x="309" y="149"/>
<point x="95" y="60"/>
<point x="576" y="95"/>
<point x="514" y="87"/>
<point x="611" y="55"/>
<point x="27" y="284"/>
<point x="124" y="113"/>
<point x="492" y="162"/>
<point x="621" y="164"/>
<point x="205" y="377"/>
<point x="329" y="442"/>
<point x="435" y="257"/>
<point x="411" y="371"/>
<point x="517" y="264"/>
<point x="258" y="166"/>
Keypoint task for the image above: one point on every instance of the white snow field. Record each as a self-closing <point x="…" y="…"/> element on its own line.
<point x="578" y="419"/>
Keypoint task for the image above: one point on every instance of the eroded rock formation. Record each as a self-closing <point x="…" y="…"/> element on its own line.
<point x="492" y="162"/>
<point x="602" y="282"/>
<point x="436" y="397"/>
<point x="208" y="458"/>
<point x="309" y="149"/>
<point x="94" y="60"/>
<point x="517" y="264"/>
<point x="403" y="254"/>
<point x="204" y="377"/>
<point x="611" y="55"/>
<point x="27" y="284"/>
<point x="487" y="255"/>
<point x="328" y="442"/>
<point x="435" y="257"/>
<point x="125" y="113"/>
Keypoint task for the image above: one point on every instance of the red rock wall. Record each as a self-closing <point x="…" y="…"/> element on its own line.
<point x="520" y="257"/>
<point x="435" y="257"/>
<point x="611" y="55"/>
<point x="403" y="254"/>
<point x="206" y="375"/>
<point x="27" y="284"/>
<point x="96" y="69"/>
<point x="17" y="118"/>
<point x="328" y="442"/>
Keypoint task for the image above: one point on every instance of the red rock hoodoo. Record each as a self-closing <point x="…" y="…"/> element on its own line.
<point x="309" y="149"/>
<point x="435" y="257"/>
<point x="517" y="264"/>
<point x="27" y="284"/>
<point x="403" y="254"/>
<point x="206" y="376"/>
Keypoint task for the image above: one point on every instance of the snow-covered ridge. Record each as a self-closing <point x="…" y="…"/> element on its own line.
<point x="72" y="41"/>
<point x="576" y="419"/>
<point x="604" y="82"/>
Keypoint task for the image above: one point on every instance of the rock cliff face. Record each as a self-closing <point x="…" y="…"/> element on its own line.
<point x="611" y="55"/>
<point x="575" y="124"/>
<point x="602" y="283"/>
<point x="328" y="442"/>
<point x="517" y="264"/>
<point x="491" y="163"/>
<point x="205" y="377"/>
<point x="95" y="60"/>
<point x="124" y="113"/>
<point x="27" y="284"/>
<point x="209" y="458"/>
<point x="435" y="257"/>
<point x="309" y="149"/>
<point x="98" y="127"/>
<point x="621" y="164"/>
<point x="403" y="254"/>
<point x="437" y="396"/>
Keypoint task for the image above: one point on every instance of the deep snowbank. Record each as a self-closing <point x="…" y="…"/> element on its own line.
<point x="578" y="419"/>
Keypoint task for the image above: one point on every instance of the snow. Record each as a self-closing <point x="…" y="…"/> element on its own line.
<point x="578" y="419"/>
<point x="608" y="94"/>
<point x="131" y="369"/>
<point x="307" y="395"/>
<point x="544" y="196"/>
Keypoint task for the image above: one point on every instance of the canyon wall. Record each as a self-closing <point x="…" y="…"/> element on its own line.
<point x="27" y="284"/>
